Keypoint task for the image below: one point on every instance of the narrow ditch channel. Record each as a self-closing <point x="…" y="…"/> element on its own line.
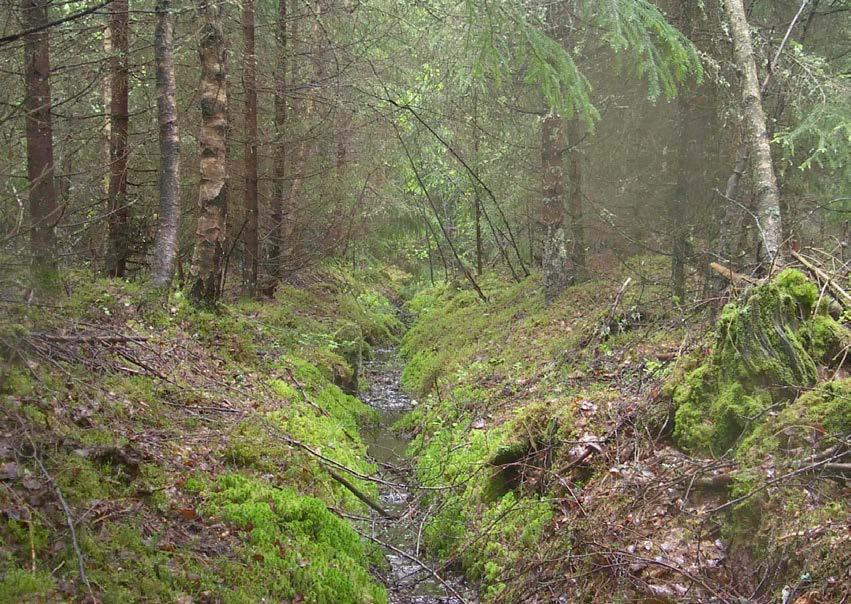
<point x="411" y="578"/>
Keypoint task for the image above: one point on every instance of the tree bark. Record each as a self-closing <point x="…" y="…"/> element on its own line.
<point x="210" y="233"/>
<point x="300" y="113"/>
<point x="249" y="82"/>
<point x="553" y="211"/>
<point x="39" y="134"/>
<point x="279" y="189"/>
<point x="575" y="200"/>
<point x="119" y="214"/>
<point x="477" y="199"/>
<point x="106" y="99"/>
<point x="762" y="169"/>
<point x="165" y="246"/>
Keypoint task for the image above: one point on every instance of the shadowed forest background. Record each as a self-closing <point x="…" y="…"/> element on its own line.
<point x="602" y="246"/>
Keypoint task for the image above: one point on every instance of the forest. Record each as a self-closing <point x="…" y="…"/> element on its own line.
<point x="425" y="301"/>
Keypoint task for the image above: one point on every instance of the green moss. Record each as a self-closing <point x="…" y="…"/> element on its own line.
<point x="19" y="586"/>
<point x="30" y="537"/>
<point x="306" y="551"/>
<point x="34" y="415"/>
<point x="765" y="353"/>
<point x="824" y="337"/>
<point x="18" y="382"/>
<point x="82" y="480"/>
<point x="421" y="371"/>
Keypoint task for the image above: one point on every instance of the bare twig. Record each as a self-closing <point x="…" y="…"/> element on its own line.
<point x="416" y="561"/>
<point x="69" y="518"/>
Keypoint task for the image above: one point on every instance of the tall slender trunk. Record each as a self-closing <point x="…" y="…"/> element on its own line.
<point x="726" y="252"/>
<point x="553" y="211"/>
<point x="165" y="246"/>
<point x="39" y="133"/>
<point x="210" y="233"/>
<point x="290" y="219"/>
<point x="249" y="82"/>
<point x="762" y="169"/>
<point x="119" y="214"/>
<point x="679" y="203"/>
<point x="477" y="199"/>
<point x="279" y="189"/>
<point x="575" y="199"/>
<point x="106" y="100"/>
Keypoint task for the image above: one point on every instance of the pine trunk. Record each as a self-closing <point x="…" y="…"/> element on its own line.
<point x="249" y="81"/>
<point x="165" y="247"/>
<point x="39" y="133"/>
<point x="762" y="169"/>
<point x="119" y="214"/>
<point x="210" y="233"/>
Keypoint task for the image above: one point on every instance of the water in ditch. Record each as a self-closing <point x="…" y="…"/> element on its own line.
<point x="408" y="580"/>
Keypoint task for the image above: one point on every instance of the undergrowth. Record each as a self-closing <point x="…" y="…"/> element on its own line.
<point x="174" y="450"/>
<point x="516" y="398"/>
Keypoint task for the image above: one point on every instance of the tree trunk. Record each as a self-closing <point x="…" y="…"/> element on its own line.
<point x="290" y="217"/>
<point x="106" y="99"/>
<point x="210" y="234"/>
<point x="553" y="211"/>
<point x="477" y="199"/>
<point x="678" y="206"/>
<point x="119" y="215"/>
<point x="762" y="170"/>
<point x="249" y="81"/>
<point x="575" y="200"/>
<point x="39" y="133"/>
<point x="278" y="200"/>
<point x="165" y="247"/>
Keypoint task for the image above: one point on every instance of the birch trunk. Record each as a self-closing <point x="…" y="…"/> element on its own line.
<point x="762" y="169"/>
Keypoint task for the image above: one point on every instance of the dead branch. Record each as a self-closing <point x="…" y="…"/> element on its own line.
<point x="360" y="494"/>
<point x="839" y="294"/>
<point x="69" y="518"/>
<point x="89" y="338"/>
<point x="737" y="279"/>
<point x="416" y="561"/>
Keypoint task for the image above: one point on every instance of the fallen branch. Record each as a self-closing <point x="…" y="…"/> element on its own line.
<point x="69" y="518"/>
<point x="119" y="339"/>
<point x="737" y="279"/>
<point x="360" y="494"/>
<point x="837" y="292"/>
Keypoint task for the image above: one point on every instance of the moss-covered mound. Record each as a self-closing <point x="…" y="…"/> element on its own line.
<point x="766" y="351"/>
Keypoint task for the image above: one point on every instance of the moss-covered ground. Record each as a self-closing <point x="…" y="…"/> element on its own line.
<point x="186" y="445"/>
<point x="594" y="451"/>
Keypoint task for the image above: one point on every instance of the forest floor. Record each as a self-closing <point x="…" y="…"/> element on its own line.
<point x="607" y="448"/>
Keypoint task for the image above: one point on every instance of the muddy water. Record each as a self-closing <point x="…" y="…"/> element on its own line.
<point x="407" y="581"/>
